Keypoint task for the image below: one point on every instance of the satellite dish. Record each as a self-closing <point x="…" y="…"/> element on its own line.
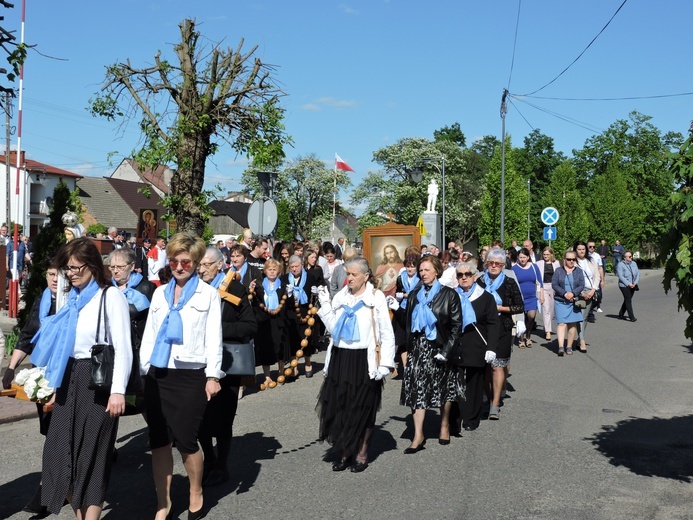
<point x="262" y="217"/>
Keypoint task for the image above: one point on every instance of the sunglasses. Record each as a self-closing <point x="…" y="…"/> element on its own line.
<point x="495" y="264"/>
<point x="464" y="275"/>
<point x="570" y="259"/>
<point x="185" y="264"/>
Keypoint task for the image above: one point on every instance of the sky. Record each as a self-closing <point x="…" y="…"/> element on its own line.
<point x="361" y="75"/>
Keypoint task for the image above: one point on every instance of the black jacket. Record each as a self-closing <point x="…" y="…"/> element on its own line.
<point x="138" y="319"/>
<point x="511" y="296"/>
<point x="447" y="309"/>
<point x="471" y="347"/>
<point x="238" y="322"/>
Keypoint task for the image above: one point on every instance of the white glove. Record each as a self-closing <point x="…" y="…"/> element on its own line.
<point x="392" y="303"/>
<point x="323" y="295"/>
<point x="399" y="296"/>
<point x="440" y="357"/>
<point x="490" y="356"/>
<point x="521" y="328"/>
<point x="381" y="373"/>
<point x="314" y="289"/>
<point x="289" y="290"/>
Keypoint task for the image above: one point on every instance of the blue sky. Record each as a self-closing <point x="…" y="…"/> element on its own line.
<point x="360" y="75"/>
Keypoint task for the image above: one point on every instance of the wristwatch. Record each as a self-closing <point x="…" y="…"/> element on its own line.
<point x="215" y="379"/>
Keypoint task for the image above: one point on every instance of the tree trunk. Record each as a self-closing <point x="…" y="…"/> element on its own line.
<point x="189" y="202"/>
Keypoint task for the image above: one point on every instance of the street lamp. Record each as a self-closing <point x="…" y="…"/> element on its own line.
<point x="416" y="175"/>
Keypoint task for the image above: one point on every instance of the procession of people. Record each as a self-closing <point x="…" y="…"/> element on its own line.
<point x="179" y="339"/>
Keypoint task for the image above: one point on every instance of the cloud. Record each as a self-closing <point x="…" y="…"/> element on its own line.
<point x="329" y="102"/>
<point x="347" y="9"/>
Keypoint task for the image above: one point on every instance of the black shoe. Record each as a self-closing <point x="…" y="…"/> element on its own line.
<point x="443" y="442"/>
<point x="621" y="317"/>
<point x="634" y="320"/>
<point x="358" y="467"/>
<point x="420" y="447"/>
<point x="470" y="428"/>
<point x="309" y="374"/>
<point x="200" y="513"/>
<point x="341" y="464"/>
<point x="591" y="320"/>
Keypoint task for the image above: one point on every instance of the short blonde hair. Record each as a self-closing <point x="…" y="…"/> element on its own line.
<point x="185" y="242"/>
<point x="272" y="262"/>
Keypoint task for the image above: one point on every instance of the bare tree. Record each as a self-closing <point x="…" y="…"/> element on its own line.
<point x="16" y="53"/>
<point x="186" y="109"/>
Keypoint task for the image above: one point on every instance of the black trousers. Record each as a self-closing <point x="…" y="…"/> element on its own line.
<point x="470" y="407"/>
<point x="627" y="304"/>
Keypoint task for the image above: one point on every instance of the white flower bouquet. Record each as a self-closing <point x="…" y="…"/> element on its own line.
<point x="36" y="386"/>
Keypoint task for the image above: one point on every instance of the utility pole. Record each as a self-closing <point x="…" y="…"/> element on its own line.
<point x="8" y="133"/>
<point x="503" y="111"/>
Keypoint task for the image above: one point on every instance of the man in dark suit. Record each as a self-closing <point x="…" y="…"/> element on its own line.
<point x="141" y="257"/>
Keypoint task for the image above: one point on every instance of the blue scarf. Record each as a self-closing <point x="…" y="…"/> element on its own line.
<point x="241" y="271"/>
<point x="492" y="286"/>
<point x="216" y="282"/>
<point x="422" y="317"/>
<point x="55" y="340"/>
<point x="271" y="298"/>
<point x="346" y="327"/>
<point x="134" y="297"/>
<point x="468" y="314"/>
<point x="408" y="286"/>
<point x="171" y="330"/>
<point x="299" y="292"/>
<point x="45" y="305"/>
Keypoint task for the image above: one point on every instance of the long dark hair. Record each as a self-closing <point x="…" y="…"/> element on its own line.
<point x="84" y="250"/>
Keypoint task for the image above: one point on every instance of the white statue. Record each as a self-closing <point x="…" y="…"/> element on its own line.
<point x="432" y="196"/>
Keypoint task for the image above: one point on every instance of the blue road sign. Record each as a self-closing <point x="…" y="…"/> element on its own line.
<point x="550" y="233"/>
<point x="549" y="216"/>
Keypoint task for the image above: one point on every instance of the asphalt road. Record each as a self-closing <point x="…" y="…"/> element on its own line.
<point x="602" y="435"/>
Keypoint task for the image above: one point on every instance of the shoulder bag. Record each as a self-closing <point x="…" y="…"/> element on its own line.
<point x="238" y="359"/>
<point x="102" y="354"/>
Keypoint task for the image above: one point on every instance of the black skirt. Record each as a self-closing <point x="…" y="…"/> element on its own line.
<point x="221" y="409"/>
<point x="348" y="400"/>
<point x="78" y="452"/>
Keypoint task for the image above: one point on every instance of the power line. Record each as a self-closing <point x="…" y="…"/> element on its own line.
<point x="522" y="116"/>
<point x="582" y="124"/>
<point x="612" y="99"/>
<point x="517" y="25"/>
<point x="583" y="52"/>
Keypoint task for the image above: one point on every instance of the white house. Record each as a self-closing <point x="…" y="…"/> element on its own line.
<point x="37" y="181"/>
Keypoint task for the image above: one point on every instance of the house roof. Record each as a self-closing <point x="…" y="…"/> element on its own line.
<point x="36" y="166"/>
<point x="150" y="176"/>
<point x="135" y="200"/>
<point x="106" y="205"/>
<point x="237" y="211"/>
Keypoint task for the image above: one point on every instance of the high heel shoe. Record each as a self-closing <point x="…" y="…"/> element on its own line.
<point x="411" y="449"/>
<point x="200" y="513"/>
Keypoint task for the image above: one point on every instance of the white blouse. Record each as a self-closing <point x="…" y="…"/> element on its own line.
<point x="118" y="334"/>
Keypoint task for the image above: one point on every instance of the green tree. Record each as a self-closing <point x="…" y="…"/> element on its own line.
<point x="677" y="242"/>
<point x="16" y="53"/>
<point x="638" y="150"/>
<point x="515" y="200"/>
<point x="452" y="133"/>
<point x="187" y="108"/>
<point x="48" y="240"/>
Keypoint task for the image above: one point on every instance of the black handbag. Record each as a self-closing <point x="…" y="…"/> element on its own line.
<point x="102" y="354"/>
<point x="238" y="359"/>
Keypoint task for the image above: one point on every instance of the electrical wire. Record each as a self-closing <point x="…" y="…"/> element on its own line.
<point x="613" y="99"/>
<point x="583" y="52"/>
<point x="567" y="119"/>
<point x="522" y="116"/>
<point x="517" y="25"/>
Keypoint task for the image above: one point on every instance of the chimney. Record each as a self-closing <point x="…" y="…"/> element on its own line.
<point x="13" y="158"/>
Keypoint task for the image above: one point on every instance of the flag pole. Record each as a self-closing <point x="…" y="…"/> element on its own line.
<point x="334" y="197"/>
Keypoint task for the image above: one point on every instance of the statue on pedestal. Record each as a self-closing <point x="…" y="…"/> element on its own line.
<point x="432" y="196"/>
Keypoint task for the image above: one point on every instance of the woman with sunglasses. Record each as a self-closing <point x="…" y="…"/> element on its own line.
<point x="181" y="356"/>
<point x="477" y="344"/>
<point x="567" y="283"/>
<point x="590" y="272"/>
<point x="506" y="293"/>
<point x="78" y="451"/>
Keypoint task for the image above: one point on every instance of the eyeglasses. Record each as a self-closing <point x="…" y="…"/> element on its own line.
<point x="75" y="269"/>
<point x="116" y="268"/>
<point x="206" y="265"/>
<point x="51" y="275"/>
<point x="466" y="274"/>
<point x="185" y="264"/>
<point x="495" y="264"/>
<point x="591" y="247"/>
<point x="570" y="259"/>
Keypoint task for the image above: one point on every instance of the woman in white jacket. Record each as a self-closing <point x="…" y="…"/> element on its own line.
<point x="180" y="354"/>
<point x="358" y="319"/>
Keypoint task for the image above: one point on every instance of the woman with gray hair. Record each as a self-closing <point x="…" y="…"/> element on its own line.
<point x="350" y="397"/>
<point x="476" y="346"/>
<point x="508" y="299"/>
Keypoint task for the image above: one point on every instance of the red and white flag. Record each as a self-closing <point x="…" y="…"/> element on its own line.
<point x="339" y="164"/>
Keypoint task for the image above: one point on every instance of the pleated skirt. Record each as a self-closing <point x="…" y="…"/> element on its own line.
<point x="348" y="400"/>
<point x="78" y="451"/>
